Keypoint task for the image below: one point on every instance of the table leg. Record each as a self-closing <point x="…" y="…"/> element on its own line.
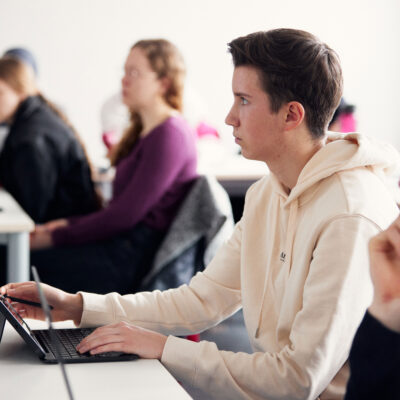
<point x="18" y="257"/>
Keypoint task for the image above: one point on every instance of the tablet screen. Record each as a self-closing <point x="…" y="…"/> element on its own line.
<point x="17" y="321"/>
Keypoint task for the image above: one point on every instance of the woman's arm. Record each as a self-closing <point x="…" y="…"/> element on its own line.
<point x="159" y="163"/>
<point x="41" y="237"/>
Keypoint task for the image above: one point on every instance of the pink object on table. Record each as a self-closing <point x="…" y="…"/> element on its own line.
<point x="110" y="138"/>
<point x="204" y="129"/>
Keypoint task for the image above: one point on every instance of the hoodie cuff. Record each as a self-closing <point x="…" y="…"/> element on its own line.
<point x="179" y="357"/>
<point x="97" y="311"/>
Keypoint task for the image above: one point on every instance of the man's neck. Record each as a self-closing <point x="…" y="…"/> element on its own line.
<point x="288" y="166"/>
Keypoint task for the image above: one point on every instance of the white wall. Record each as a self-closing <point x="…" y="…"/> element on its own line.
<point x="81" y="46"/>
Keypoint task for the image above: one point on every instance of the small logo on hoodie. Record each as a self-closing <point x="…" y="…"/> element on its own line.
<point x="282" y="256"/>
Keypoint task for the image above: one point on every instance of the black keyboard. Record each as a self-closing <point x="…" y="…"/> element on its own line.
<point x="68" y="340"/>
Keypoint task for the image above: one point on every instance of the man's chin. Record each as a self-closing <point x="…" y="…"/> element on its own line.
<point x="246" y="155"/>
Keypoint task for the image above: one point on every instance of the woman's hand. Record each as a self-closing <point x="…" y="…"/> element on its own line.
<point x="126" y="338"/>
<point x="55" y="224"/>
<point x="65" y="305"/>
<point x="384" y="250"/>
<point x="40" y="239"/>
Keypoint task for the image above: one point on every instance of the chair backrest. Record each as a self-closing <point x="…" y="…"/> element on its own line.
<point x="203" y="222"/>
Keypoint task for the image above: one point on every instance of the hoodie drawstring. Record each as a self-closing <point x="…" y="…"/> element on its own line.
<point x="285" y="255"/>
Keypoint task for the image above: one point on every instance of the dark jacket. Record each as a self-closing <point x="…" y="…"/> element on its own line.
<point x="374" y="363"/>
<point x="43" y="165"/>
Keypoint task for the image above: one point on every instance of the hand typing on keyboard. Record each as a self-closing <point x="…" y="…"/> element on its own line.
<point x="125" y="338"/>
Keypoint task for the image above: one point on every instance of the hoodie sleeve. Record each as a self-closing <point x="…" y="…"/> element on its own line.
<point x="207" y="300"/>
<point x="319" y="341"/>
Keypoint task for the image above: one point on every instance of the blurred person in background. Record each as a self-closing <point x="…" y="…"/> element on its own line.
<point x="155" y="161"/>
<point x="43" y="163"/>
<point x="26" y="57"/>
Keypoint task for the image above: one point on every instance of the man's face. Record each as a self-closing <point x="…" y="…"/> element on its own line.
<point x="257" y="130"/>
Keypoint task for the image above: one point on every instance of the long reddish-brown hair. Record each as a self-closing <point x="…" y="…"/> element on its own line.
<point x="167" y="62"/>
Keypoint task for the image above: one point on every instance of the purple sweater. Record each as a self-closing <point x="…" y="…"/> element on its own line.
<point x="148" y="187"/>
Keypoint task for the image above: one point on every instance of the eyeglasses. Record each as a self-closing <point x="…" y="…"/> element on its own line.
<point x="132" y="73"/>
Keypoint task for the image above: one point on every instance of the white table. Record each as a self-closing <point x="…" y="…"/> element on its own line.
<point x="234" y="172"/>
<point x="15" y="226"/>
<point x="24" y="376"/>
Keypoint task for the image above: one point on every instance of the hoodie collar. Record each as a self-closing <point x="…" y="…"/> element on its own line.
<point x="341" y="152"/>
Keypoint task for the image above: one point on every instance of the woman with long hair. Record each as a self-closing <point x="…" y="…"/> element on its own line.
<point x="43" y="163"/>
<point x="112" y="249"/>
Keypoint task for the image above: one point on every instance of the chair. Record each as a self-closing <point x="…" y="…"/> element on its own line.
<point x="203" y="222"/>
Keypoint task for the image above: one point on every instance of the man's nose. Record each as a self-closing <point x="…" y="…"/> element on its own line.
<point x="231" y="119"/>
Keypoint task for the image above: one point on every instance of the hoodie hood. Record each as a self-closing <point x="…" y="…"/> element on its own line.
<point x="344" y="152"/>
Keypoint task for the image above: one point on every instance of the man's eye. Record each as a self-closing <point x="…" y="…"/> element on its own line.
<point x="243" y="101"/>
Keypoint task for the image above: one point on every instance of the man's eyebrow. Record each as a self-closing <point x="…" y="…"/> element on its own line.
<point x="241" y="94"/>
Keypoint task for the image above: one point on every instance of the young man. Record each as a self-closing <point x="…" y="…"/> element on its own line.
<point x="297" y="261"/>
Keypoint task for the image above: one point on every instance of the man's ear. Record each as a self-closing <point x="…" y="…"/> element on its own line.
<point x="295" y="115"/>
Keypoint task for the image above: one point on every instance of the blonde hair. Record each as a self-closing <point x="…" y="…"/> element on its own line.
<point x="167" y="62"/>
<point x="21" y="78"/>
<point x="18" y="76"/>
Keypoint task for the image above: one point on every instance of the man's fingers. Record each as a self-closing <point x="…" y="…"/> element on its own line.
<point x="101" y="332"/>
<point x="108" y="347"/>
<point x="392" y="238"/>
<point x="27" y="291"/>
<point x="26" y="311"/>
<point x="395" y="237"/>
<point x="387" y="241"/>
<point x="98" y="341"/>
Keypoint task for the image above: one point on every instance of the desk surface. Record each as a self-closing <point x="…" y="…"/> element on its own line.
<point x="233" y="167"/>
<point x="12" y="217"/>
<point x="24" y="376"/>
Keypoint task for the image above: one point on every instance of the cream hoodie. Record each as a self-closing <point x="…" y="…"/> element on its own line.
<point x="297" y="264"/>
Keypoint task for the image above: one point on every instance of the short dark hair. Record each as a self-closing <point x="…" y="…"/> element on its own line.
<point x="294" y="65"/>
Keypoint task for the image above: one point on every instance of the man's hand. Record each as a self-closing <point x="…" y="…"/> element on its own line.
<point x="124" y="337"/>
<point x="384" y="251"/>
<point x="65" y="305"/>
